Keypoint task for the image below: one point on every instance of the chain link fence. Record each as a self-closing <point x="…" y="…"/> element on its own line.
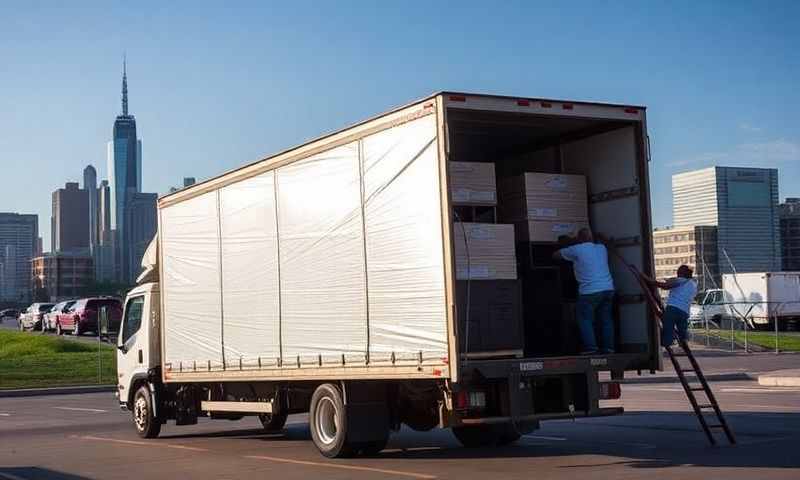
<point x="757" y="326"/>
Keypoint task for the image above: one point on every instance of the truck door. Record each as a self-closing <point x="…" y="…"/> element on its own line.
<point x="131" y="345"/>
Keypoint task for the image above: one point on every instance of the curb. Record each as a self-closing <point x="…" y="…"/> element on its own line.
<point x="35" y="392"/>
<point x="786" y="378"/>
<point x="714" y="377"/>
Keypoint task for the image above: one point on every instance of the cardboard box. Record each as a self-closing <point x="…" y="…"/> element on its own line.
<point x="544" y="196"/>
<point x="472" y="183"/>
<point x="491" y="250"/>
<point x="546" y="231"/>
<point x="495" y="317"/>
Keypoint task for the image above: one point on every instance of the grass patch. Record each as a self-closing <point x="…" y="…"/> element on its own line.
<point x="787" y="342"/>
<point x="29" y="360"/>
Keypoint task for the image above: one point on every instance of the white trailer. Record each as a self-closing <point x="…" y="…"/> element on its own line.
<point x="763" y="297"/>
<point x="322" y="280"/>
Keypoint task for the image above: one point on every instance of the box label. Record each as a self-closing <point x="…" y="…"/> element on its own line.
<point x="474" y="272"/>
<point x="557" y="183"/>
<point x="544" y="212"/>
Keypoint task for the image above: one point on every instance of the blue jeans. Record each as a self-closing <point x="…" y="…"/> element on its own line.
<point x="673" y="318"/>
<point x="594" y="312"/>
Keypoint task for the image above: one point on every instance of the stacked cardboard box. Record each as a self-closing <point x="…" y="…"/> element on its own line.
<point x="491" y="251"/>
<point x="544" y="206"/>
<point x="495" y="317"/>
<point x="473" y="183"/>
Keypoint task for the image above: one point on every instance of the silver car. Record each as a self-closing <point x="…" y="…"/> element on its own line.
<point x="31" y="318"/>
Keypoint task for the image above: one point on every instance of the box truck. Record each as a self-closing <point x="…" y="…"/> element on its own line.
<point x="324" y="279"/>
<point x="761" y="298"/>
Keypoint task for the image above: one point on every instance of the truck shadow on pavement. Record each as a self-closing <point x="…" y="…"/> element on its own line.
<point x="36" y="473"/>
<point x="647" y="440"/>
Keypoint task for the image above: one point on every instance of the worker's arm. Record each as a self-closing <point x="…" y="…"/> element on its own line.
<point x="557" y="255"/>
<point x="668" y="285"/>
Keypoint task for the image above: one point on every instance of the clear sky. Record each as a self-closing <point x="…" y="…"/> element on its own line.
<point x="215" y="87"/>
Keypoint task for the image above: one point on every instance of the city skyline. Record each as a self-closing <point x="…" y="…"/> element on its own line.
<point x="242" y="92"/>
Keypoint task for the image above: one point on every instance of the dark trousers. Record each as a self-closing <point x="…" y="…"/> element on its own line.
<point x="673" y="318"/>
<point x="594" y="312"/>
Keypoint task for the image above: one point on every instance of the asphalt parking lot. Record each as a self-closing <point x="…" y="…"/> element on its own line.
<point x="87" y="436"/>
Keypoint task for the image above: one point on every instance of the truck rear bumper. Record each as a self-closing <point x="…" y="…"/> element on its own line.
<point x="601" y="412"/>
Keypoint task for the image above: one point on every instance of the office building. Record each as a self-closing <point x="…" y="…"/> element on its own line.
<point x="90" y="185"/>
<point x="743" y="204"/>
<point x="141" y="220"/>
<point x="187" y="182"/>
<point x="790" y="234"/>
<point x="61" y="276"/>
<point x="695" y="246"/>
<point x="70" y="220"/>
<point x="19" y="234"/>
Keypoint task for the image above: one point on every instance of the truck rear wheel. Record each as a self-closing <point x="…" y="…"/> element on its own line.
<point x="273" y="422"/>
<point x="147" y="425"/>
<point x="474" y="436"/>
<point x="328" y="422"/>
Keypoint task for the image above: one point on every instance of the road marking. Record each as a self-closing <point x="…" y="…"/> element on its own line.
<point x="143" y="444"/>
<point x="543" y="437"/>
<point x="341" y="466"/>
<point x="93" y="410"/>
<point x="760" y="390"/>
<point x="2" y="414"/>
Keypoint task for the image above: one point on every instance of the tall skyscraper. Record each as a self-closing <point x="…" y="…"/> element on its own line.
<point x="70" y="220"/>
<point x="124" y="177"/>
<point x="90" y="185"/>
<point x="19" y="234"/>
<point x="743" y="204"/>
<point x="141" y="220"/>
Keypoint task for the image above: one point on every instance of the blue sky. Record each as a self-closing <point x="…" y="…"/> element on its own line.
<point x="214" y="87"/>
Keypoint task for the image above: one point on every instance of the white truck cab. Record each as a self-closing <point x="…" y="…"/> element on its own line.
<point x="710" y="307"/>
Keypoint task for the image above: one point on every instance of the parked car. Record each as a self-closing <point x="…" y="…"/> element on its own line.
<point x="51" y="317"/>
<point x="81" y="316"/>
<point x="9" y="314"/>
<point x="31" y="318"/>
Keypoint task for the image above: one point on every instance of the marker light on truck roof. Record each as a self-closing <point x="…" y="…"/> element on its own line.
<point x="632" y="110"/>
<point x="458" y="98"/>
<point x="524" y="103"/>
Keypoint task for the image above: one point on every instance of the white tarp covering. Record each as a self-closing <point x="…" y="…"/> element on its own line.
<point x="250" y="294"/>
<point x="349" y="259"/>
<point x="323" y="289"/>
<point x="404" y="248"/>
<point x="191" y="290"/>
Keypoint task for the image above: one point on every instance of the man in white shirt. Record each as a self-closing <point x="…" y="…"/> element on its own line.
<point x="595" y="292"/>
<point x="682" y="290"/>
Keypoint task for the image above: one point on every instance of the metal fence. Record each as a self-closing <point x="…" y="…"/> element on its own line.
<point x="755" y="326"/>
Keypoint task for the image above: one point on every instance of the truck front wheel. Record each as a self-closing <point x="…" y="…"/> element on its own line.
<point x="328" y="422"/>
<point x="147" y="425"/>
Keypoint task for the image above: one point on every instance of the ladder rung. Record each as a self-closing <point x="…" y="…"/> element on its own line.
<point x="716" y="425"/>
<point x="684" y="370"/>
<point x="707" y="405"/>
<point x="697" y="389"/>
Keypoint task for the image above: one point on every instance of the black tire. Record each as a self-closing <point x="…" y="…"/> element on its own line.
<point x="475" y="436"/>
<point x="273" y="422"/>
<point x="146" y="424"/>
<point x="328" y="422"/>
<point x="507" y="434"/>
<point x="370" y="449"/>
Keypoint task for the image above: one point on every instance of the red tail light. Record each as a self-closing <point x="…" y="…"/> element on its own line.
<point x="610" y="391"/>
<point x="465" y="400"/>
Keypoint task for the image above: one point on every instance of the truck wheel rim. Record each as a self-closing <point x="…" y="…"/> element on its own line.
<point x="327" y="424"/>
<point x="140" y="413"/>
